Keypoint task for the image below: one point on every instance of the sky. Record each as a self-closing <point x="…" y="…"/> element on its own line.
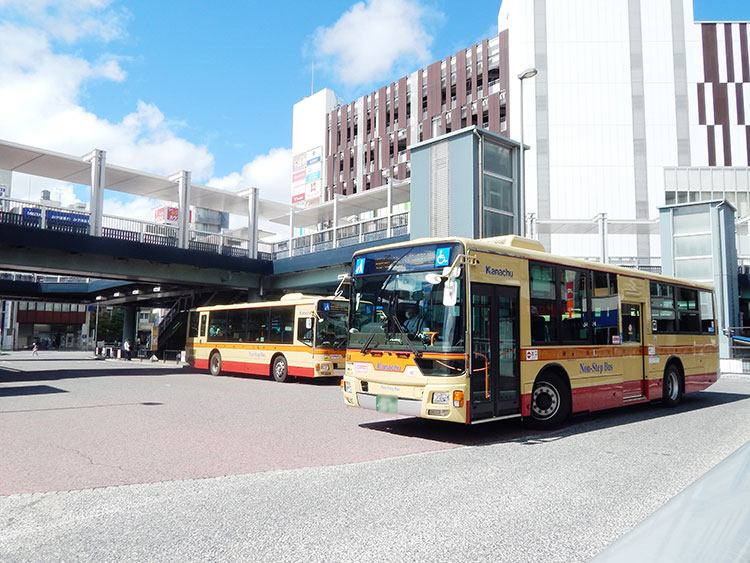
<point x="209" y="87"/>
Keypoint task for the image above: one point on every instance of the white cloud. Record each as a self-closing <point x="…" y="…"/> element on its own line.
<point x="140" y="208"/>
<point x="39" y="106"/>
<point x="373" y="37"/>
<point x="70" y="20"/>
<point x="271" y="173"/>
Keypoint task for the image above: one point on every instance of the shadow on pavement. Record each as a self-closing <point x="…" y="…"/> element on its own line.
<point x="82" y="407"/>
<point x="29" y="390"/>
<point x="514" y="430"/>
<point x="57" y="374"/>
<point x="318" y="381"/>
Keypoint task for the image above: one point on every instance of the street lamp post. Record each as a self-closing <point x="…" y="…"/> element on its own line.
<point x="528" y="73"/>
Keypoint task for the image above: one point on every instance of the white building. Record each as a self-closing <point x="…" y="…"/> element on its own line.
<point x="627" y="92"/>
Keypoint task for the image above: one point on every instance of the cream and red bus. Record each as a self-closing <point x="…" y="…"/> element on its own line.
<point x="297" y="336"/>
<point x="478" y="330"/>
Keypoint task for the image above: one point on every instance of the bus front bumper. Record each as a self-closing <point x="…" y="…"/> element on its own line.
<point x="388" y="404"/>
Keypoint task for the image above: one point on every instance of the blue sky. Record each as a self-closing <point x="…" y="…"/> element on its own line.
<point x="210" y="87"/>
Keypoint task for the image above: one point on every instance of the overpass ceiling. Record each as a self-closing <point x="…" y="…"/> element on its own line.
<point x="69" y="168"/>
<point x="354" y="204"/>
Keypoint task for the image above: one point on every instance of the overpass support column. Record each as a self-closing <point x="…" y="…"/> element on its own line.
<point x="291" y="231"/>
<point x="603" y="237"/>
<point x="98" y="160"/>
<point x="335" y="221"/>
<point x="182" y="178"/>
<point x="252" y="223"/>
<point x="389" y="204"/>
<point x="129" y="324"/>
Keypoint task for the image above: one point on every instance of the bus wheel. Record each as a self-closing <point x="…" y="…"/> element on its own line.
<point x="214" y="363"/>
<point x="280" y="370"/>
<point x="672" y="388"/>
<point x="550" y="401"/>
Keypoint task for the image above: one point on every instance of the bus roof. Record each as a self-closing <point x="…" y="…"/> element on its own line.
<point x="516" y="246"/>
<point x="289" y="299"/>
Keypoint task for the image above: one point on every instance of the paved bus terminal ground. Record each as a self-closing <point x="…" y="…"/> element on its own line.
<point x="114" y="460"/>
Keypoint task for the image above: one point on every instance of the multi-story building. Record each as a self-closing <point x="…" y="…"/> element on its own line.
<point x="365" y="142"/>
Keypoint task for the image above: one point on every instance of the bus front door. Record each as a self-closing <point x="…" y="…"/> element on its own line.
<point x="494" y="351"/>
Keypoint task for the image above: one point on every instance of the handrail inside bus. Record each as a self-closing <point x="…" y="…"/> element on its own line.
<point x="345" y="279"/>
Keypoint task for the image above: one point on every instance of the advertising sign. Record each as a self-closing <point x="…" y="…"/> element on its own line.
<point x="166" y="215"/>
<point x="307" y="174"/>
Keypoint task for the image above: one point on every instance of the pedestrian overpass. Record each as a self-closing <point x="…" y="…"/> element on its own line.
<point x="41" y="237"/>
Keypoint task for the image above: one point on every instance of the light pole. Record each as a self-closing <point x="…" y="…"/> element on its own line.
<point x="528" y="73"/>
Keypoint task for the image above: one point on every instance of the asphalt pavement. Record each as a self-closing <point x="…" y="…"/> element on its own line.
<point x="378" y="489"/>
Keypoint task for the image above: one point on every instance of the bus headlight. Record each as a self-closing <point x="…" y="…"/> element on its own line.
<point x="347" y="387"/>
<point x="324" y="367"/>
<point x="441" y="397"/>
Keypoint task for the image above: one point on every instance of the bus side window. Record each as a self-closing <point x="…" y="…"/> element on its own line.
<point x="193" y="330"/>
<point x="204" y="324"/>
<point x="305" y="330"/>
<point x="544" y="306"/>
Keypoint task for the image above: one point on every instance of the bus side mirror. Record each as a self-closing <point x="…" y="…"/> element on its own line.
<point x="450" y="292"/>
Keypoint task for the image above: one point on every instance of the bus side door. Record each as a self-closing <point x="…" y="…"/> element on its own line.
<point x="633" y="384"/>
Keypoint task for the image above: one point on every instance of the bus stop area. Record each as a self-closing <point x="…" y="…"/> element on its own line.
<point x="120" y="460"/>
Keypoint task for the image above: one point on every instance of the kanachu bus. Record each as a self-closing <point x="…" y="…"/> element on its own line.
<point x="478" y="330"/>
<point x="297" y="336"/>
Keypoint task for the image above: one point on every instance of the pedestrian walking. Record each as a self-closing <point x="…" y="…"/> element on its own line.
<point x="126" y="348"/>
<point x="35" y="348"/>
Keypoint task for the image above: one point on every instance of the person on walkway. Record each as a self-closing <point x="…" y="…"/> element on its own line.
<point x="126" y="348"/>
<point x="35" y="348"/>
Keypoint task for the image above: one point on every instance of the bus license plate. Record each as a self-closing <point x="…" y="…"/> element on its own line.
<point x="384" y="403"/>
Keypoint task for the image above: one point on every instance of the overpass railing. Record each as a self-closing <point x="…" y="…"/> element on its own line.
<point x="60" y="219"/>
<point x="368" y="230"/>
<point x="652" y="265"/>
<point x="40" y="215"/>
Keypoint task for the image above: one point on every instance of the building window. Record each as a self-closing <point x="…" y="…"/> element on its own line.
<point x="497" y="223"/>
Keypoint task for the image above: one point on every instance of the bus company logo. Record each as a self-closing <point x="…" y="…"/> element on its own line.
<point x="597" y="368"/>
<point x="503" y="273"/>
<point x="388" y="367"/>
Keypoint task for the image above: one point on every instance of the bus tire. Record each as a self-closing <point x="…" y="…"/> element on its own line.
<point x="672" y="386"/>
<point x="550" y="401"/>
<point x="214" y="364"/>
<point x="280" y="369"/>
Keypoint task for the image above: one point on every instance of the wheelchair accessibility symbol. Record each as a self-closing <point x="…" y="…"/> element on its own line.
<point x="443" y="257"/>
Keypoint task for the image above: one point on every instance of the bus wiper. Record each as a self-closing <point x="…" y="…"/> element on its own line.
<point x="417" y="353"/>
<point x="363" y="350"/>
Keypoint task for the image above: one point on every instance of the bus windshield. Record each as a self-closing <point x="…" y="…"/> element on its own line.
<point x="332" y="317"/>
<point x="405" y="311"/>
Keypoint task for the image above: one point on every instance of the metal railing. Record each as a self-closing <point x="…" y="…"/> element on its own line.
<point x="739" y="344"/>
<point x="39" y="215"/>
<point x="368" y="230"/>
<point x="651" y="265"/>
<point x="41" y="278"/>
